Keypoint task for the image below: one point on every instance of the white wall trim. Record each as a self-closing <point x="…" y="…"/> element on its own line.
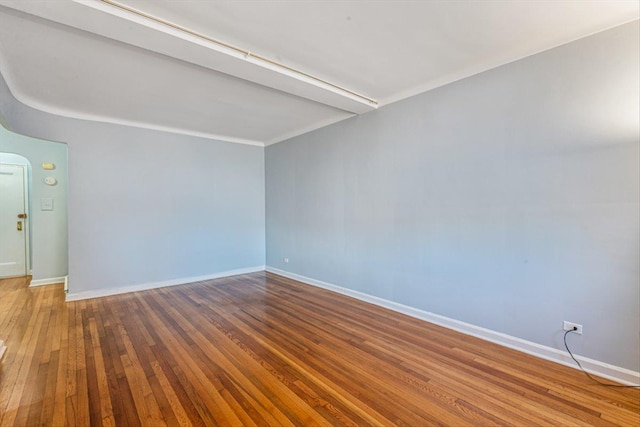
<point x="3" y="348"/>
<point x="79" y="115"/>
<point x="605" y="370"/>
<point x="48" y="281"/>
<point x="76" y="296"/>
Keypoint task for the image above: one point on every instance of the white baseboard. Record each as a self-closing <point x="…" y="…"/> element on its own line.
<point x="49" y="281"/>
<point x="3" y="348"/>
<point x="76" y="296"/>
<point x="605" y="370"/>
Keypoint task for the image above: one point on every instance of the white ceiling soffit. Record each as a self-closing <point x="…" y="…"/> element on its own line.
<point x="73" y="73"/>
<point x="105" y="19"/>
<point x="388" y="50"/>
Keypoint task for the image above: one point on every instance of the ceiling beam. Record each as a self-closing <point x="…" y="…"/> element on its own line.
<point x="105" y="19"/>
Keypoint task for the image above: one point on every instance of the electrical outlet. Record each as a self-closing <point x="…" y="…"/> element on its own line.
<point x="286" y="260"/>
<point x="567" y="326"/>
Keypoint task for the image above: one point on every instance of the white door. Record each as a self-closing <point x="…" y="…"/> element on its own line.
<point x="13" y="221"/>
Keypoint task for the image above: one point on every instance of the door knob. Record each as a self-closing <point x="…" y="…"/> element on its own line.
<point x="19" y="225"/>
<point x="22" y="216"/>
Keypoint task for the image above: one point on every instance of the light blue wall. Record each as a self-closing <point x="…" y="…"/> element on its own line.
<point x="147" y="206"/>
<point x="508" y="200"/>
<point x="48" y="232"/>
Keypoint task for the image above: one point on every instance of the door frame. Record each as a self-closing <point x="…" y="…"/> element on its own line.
<point x="26" y="175"/>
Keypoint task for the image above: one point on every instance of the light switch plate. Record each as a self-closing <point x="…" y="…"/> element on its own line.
<point x="46" y="204"/>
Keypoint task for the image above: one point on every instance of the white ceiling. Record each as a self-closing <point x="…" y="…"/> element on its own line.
<point x="88" y="59"/>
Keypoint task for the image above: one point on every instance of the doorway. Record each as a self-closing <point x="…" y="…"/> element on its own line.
<point x="46" y="222"/>
<point x="14" y="223"/>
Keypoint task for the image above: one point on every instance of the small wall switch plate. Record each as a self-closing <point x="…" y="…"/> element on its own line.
<point x="567" y="326"/>
<point x="46" y="204"/>
<point x="286" y="260"/>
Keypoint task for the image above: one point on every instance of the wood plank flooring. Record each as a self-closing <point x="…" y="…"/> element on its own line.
<point x="260" y="349"/>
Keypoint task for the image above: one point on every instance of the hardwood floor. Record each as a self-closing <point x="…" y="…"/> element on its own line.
<point x="260" y="349"/>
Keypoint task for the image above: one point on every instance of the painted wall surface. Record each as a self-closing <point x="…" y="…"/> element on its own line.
<point x="48" y="233"/>
<point x="148" y="206"/>
<point x="508" y="200"/>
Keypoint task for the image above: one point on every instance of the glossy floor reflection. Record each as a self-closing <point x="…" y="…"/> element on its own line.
<point x="259" y="349"/>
